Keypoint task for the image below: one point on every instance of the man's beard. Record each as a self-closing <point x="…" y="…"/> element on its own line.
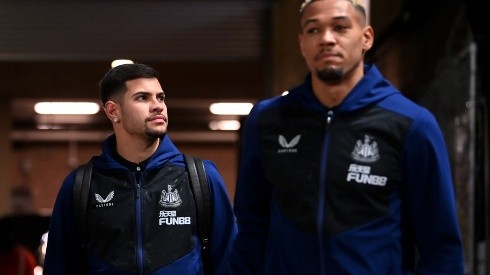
<point x="154" y="133"/>
<point x="330" y="74"/>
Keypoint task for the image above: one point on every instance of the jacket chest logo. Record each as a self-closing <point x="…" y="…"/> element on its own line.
<point x="366" y="150"/>
<point x="103" y="202"/>
<point x="288" y="147"/>
<point x="170" y="198"/>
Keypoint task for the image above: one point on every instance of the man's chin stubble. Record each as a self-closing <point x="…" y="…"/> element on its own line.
<point x="330" y="74"/>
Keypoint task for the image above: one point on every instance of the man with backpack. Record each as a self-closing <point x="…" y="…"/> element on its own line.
<point x="141" y="215"/>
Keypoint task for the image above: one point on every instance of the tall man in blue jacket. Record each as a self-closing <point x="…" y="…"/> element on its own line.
<point x="141" y="216"/>
<point x="343" y="175"/>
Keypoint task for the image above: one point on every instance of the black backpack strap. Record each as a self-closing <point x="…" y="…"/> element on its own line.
<point x="81" y="190"/>
<point x="202" y="198"/>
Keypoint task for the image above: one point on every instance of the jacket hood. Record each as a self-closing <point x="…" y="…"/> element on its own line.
<point x="371" y="89"/>
<point x="165" y="152"/>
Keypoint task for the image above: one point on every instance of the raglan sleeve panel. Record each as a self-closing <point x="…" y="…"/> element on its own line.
<point x="64" y="254"/>
<point x="431" y="199"/>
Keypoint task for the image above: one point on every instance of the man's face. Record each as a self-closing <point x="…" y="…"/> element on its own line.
<point x="333" y="39"/>
<point x="143" y="109"/>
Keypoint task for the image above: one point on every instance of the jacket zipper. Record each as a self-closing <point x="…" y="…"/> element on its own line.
<point x="322" y="193"/>
<point x="139" y="231"/>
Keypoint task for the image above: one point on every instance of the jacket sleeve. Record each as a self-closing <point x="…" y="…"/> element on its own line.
<point x="431" y="199"/>
<point x="64" y="254"/>
<point x="251" y="204"/>
<point x="223" y="228"/>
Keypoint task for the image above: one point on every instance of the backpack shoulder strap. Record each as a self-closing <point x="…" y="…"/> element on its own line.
<point x="202" y="198"/>
<point x="81" y="190"/>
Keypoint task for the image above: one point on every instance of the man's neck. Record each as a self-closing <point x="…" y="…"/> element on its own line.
<point x="135" y="149"/>
<point x="332" y="94"/>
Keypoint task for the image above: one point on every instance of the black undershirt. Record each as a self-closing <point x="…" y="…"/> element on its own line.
<point x="133" y="167"/>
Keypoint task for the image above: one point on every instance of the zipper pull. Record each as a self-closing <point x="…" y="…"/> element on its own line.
<point x="138" y="181"/>
<point x="329" y="116"/>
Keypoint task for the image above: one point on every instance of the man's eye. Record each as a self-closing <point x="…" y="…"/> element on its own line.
<point x="312" y="30"/>
<point x="340" y="28"/>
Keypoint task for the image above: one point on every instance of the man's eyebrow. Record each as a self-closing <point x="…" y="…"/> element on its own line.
<point x="309" y="21"/>
<point x="141" y="93"/>
<point x="336" y="18"/>
<point x="149" y="92"/>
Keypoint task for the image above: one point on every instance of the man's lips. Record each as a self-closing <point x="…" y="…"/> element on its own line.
<point x="158" y="117"/>
<point x="328" y="56"/>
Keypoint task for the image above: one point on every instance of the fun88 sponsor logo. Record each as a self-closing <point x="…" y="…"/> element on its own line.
<point x="169" y="217"/>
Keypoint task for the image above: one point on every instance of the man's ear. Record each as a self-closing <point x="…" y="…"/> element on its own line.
<point x="368" y="38"/>
<point x="112" y="111"/>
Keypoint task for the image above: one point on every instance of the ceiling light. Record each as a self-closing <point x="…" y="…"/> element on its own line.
<point x="118" y="62"/>
<point x="48" y="127"/>
<point x="66" y="108"/>
<point x="223" y="108"/>
<point x="225" y="125"/>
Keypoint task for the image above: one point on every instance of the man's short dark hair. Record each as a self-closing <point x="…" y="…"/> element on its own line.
<point x="114" y="81"/>
<point x="356" y="3"/>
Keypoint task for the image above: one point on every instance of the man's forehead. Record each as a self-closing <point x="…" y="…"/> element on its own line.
<point x="144" y="84"/>
<point x="338" y="5"/>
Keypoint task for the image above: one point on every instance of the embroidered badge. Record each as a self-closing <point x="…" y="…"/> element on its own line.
<point x="104" y="202"/>
<point x="366" y="151"/>
<point x="288" y="147"/>
<point x="170" y="198"/>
